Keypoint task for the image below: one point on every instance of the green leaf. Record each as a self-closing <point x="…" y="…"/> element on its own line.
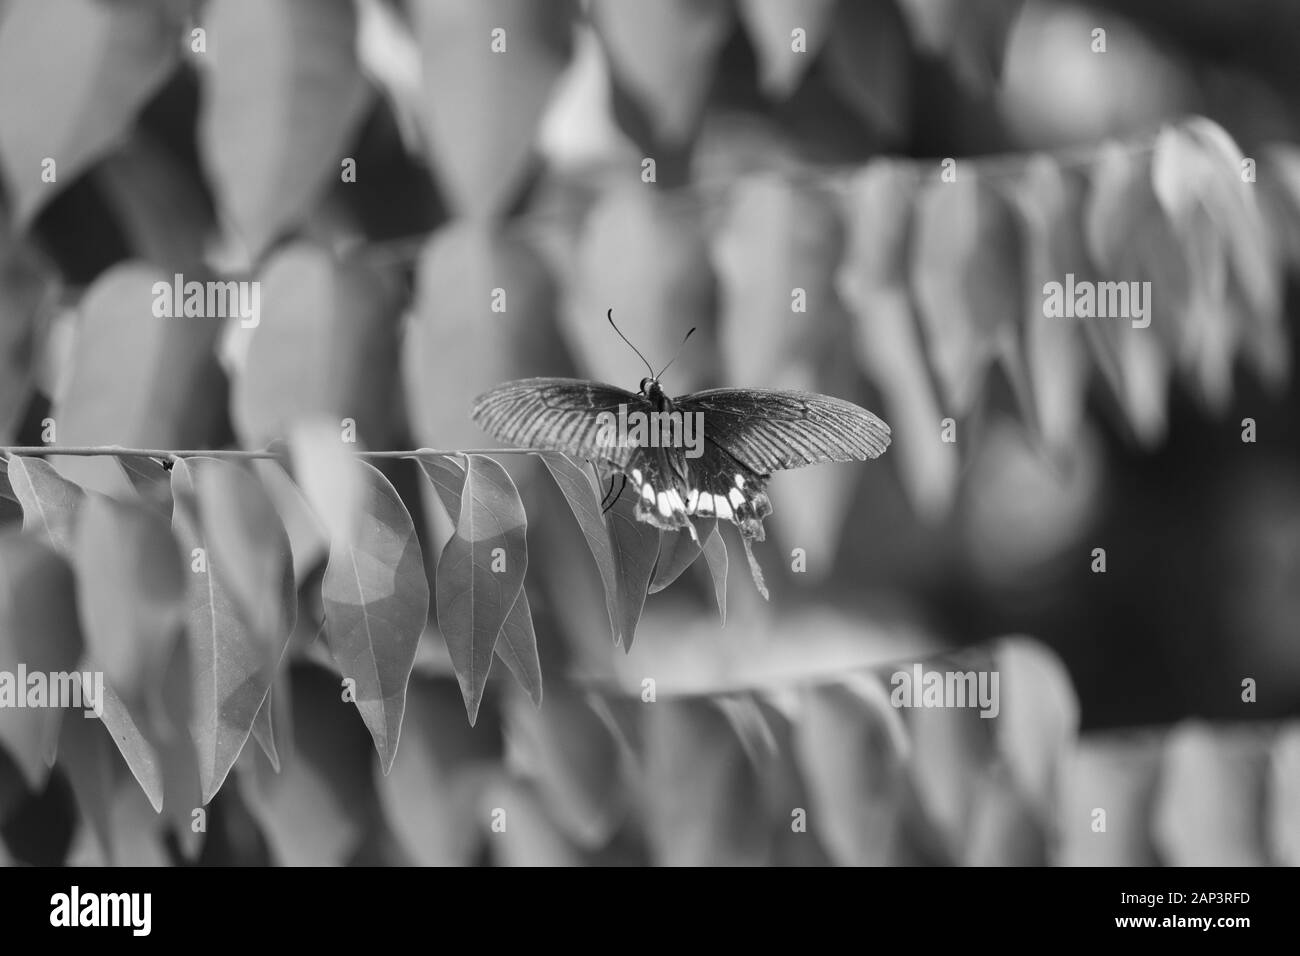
<point x="241" y="604"/>
<point x="480" y="573"/>
<point x="327" y="347"/>
<point x="625" y="549"/>
<point x="483" y="105"/>
<point x="50" y="502"/>
<point x="38" y="630"/>
<point x="73" y="75"/>
<point x="282" y="100"/>
<point x="517" y="642"/>
<point x="131" y="593"/>
<point x="376" y="605"/>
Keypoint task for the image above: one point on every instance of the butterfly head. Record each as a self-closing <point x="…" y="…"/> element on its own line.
<point x="653" y="391"/>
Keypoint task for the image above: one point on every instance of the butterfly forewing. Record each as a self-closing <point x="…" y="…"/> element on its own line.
<point x="558" y="414"/>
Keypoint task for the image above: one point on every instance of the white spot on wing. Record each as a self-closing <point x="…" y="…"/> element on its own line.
<point x="675" y="499"/>
<point x="737" y="498"/>
<point x="705" y="505"/>
<point x="692" y="498"/>
<point x="647" y="494"/>
<point x="724" y="509"/>
<point x="665" y="508"/>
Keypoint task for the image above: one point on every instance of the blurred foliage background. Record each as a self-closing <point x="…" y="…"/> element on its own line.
<point x="225" y="153"/>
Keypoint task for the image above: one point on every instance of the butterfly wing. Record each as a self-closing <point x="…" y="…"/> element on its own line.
<point x="770" y="430"/>
<point x="558" y="414"/>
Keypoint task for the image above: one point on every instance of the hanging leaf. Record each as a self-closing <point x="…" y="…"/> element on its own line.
<point x="319" y="808"/>
<point x="868" y="62"/>
<point x="484" y="315"/>
<point x="677" y="552"/>
<point x="489" y="68"/>
<point x="771" y="25"/>
<point x="324" y="468"/>
<point x="1283" y="820"/>
<point x="645" y="258"/>
<point x="38" y="634"/>
<point x="704" y="804"/>
<point x="1206" y="807"/>
<point x="1106" y="791"/>
<point x="662" y="55"/>
<point x="1131" y="240"/>
<point x="284" y="96"/>
<point x="26" y="286"/>
<point x="433" y="795"/>
<point x="49" y="501"/>
<point x="480" y="573"/>
<point x="852" y="749"/>
<point x="1051" y="200"/>
<point x="634" y="546"/>
<point x="307" y="535"/>
<point x="1038" y="718"/>
<point x="967" y="277"/>
<point x="376" y="605"/>
<point x="86" y="758"/>
<point x="971" y="35"/>
<point x="137" y="380"/>
<point x="95" y="65"/>
<point x="135" y="749"/>
<point x="240" y="608"/>
<point x="715" y="553"/>
<point x="131" y="594"/>
<point x="872" y="280"/>
<point x="573" y="756"/>
<point x="326" y="346"/>
<point x="517" y="643"/>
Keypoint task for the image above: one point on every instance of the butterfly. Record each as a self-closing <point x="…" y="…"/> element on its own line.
<point x="707" y="454"/>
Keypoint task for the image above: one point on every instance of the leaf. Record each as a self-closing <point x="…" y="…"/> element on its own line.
<point x="130" y="594"/>
<point x="323" y="467"/>
<point x="715" y="553"/>
<point x="1206" y="807"/>
<point x="95" y="65"/>
<point x="704" y="803"/>
<point x="868" y="62"/>
<point x="50" y="502"/>
<point x="326" y="347"/>
<point x="1038" y="717"/>
<point x="1130" y="238"/>
<point x="971" y="35"/>
<point x="873" y="282"/>
<point x="967" y="279"/>
<point x="770" y="25"/>
<point x="775" y="238"/>
<point x="573" y="756"/>
<point x="517" y="643"/>
<point x="137" y="380"/>
<point x="662" y="55"/>
<point x="38" y="632"/>
<point x="459" y="345"/>
<point x="241" y="605"/>
<point x="86" y="758"/>
<point x="376" y="604"/>
<point x="1283" y="820"/>
<point x="480" y="573"/>
<point x="283" y="99"/>
<point x="625" y="549"/>
<point x="307" y="536"/>
<point x="135" y="749"/>
<point x="1051" y="201"/>
<point x="484" y="101"/>
<point x="852" y="749"/>
<point x="27" y="284"/>
<point x="677" y="552"/>
<point x="319" y="808"/>
<point x="433" y="795"/>
<point x="647" y="259"/>
<point x="1116" y="775"/>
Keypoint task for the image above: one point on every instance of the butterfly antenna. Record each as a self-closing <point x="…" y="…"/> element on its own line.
<point x="610" y="315"/>
<point x="679" y="352"/>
